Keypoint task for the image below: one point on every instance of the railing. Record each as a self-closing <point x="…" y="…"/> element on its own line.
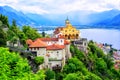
<point x="54" y="59"/>
<point x="20" y="50"/>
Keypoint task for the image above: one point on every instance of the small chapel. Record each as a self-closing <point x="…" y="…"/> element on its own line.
<point x="68" y="31"/>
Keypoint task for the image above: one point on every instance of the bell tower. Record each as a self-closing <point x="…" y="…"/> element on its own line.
<point x="67" y="21"/>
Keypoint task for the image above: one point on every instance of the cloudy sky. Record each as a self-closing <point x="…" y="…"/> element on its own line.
<point x="60" y="6"/>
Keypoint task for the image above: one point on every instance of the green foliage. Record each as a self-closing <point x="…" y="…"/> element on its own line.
<point x="95" y="65"/>
<point x="22" y="37"/>
<point x="72" y="76"/>
<point x="39" y="60"/>
<point x="4" y="21"/>
<point x="31" y="33"/>
<point x="13" y="67"/>
<point x="92" y="76"/>
<point x="14" y="34"/>
<point x="77" y="53"/>
<point x="49" y="74"/>
<point x="101" y="66"/>
<point x="14" y="23"/>
<point x="59" y="76"/>
<point x="73" y="65"/>
<point x="43" y="34"/>
<point x="72" y="50"/>
<point x="2" y="38"/>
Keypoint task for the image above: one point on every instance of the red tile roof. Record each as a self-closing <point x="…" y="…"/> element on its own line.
<point x="66" y="42"/>
<point x="57" y="30"/>
<point x="55" y="47"/>
<point x="29" y="41"/>
<point x="48" y="39"/>
<point x="38" y="43"/>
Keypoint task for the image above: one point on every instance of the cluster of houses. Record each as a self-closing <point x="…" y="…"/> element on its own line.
<point x="105" y="47"/>
<point x="116" y="53"/>
<point x="116" y="56"/>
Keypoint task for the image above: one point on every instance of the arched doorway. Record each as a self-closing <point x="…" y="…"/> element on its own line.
<point x="66" y="36"/>
<point x="69" y="37"/>
<point x="73" y="36"/>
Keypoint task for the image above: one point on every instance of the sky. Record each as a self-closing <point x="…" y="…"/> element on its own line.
<point x="60" y="6"/>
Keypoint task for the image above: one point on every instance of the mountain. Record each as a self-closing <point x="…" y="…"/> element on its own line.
<point x="102" y="17"/>
<point x="38" y="19"/>
<point x="115" y="21"/>
<point x="81" y="17"/>
<point x="21" y="18"/>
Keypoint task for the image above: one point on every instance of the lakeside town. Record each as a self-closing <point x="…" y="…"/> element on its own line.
<point x="60" y="40"/>
<point x="59" y="56"/>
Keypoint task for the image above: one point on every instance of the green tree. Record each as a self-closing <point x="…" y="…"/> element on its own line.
<point x="4" y="20"/>
<point x="39" y="60"/>
<point x="43" y="34"/>
<point x="75" y="76"/>
<point x="22" y="37"/>
<point x="14" y="23"/>
<point x="13" y="67"/>
<point x="31" y="33"/>
<point x="1" y="24"/>
<point x="74" y="65"/>
<point x="92" y="76"/>
<point x="14" y="27"/>
<point x="2" y="38"/>
<point x="49" y="74"/>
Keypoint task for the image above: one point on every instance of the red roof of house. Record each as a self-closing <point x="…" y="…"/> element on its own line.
<point x="29" y="41"/>
<point x="55" y="47"/>
<point x="38" y="43"/>
<point x="66" y="42"/>
<point x="57" y="30"/>
<point x="48" y="39"/>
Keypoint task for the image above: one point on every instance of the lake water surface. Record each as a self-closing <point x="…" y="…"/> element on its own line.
<point x="110" y="36"/>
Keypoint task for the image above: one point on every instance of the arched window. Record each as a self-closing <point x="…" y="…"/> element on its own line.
<point x="76" y="34"/>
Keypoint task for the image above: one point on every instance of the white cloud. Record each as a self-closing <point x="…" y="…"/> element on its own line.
<point x="61" y="6"/>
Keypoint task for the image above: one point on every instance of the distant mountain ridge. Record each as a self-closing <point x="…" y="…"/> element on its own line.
<point x="106" y="18"/>
<point x="20" y="17"/>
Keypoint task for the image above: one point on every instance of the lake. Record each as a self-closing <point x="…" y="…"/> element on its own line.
<point x="110" y="36"/>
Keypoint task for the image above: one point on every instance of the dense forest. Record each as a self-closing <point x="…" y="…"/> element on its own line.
<point x="94" y="65"/>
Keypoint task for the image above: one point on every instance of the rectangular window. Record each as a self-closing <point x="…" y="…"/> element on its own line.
<point x="37" y="48"/>
<point x="61" y="40"/>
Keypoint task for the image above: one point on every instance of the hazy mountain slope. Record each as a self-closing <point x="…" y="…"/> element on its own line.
<point x="20" y="17"/>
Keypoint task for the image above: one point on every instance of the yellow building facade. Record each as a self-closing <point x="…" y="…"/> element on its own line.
<point x="69" y="31"/>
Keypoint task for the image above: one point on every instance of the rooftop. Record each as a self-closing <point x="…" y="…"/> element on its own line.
<point x="55" y="47"/>
<point x="29" y="41"/>
<point x="48" y="39"/>
<point x="38" y="43"/>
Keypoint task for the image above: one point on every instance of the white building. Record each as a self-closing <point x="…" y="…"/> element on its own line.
<point x="54" y="50"/>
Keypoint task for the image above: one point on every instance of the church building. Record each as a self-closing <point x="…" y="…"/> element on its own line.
<point x="69" y="31"/>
